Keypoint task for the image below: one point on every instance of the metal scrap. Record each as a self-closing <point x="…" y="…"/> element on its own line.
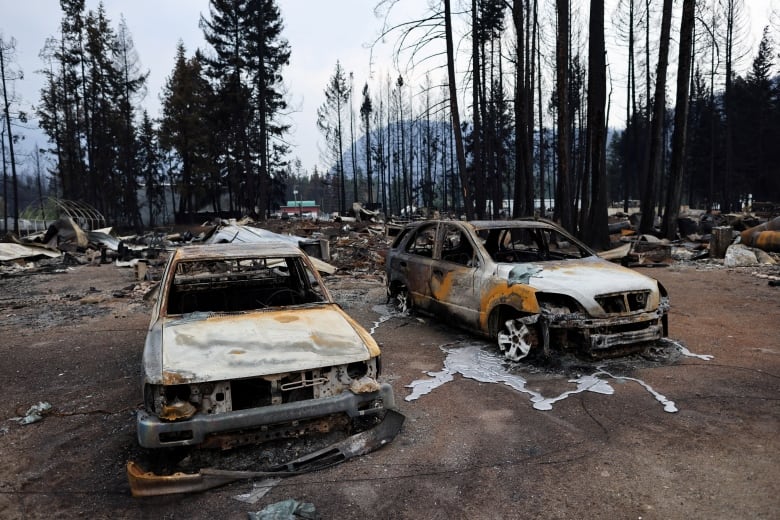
<point x="11" y="251"/>
<point x="286" y="510"/>
<point x="765" y="236"/>
<point x="34" y="414"/>
<point x="144" y="483"/>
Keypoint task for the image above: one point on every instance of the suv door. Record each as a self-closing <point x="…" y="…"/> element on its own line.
<point x="453" y="276"/>
<point x="413" y="261"/>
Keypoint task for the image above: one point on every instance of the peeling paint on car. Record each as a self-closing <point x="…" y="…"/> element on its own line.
<point x="522" y="274"/>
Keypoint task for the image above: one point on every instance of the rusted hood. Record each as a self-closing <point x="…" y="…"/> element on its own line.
<point x="208" y="347"/>
<point x="584" y="279"/>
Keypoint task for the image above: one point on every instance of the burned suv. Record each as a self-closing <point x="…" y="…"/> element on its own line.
<point x="245" y="345"/>
<point x="527" y="283"/>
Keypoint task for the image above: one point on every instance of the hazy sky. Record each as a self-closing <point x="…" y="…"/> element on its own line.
<point x="319" y="31"/>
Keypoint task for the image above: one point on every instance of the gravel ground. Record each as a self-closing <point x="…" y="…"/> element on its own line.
<point x="470" y="448"/>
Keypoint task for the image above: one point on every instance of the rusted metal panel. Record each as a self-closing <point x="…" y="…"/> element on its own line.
<point x="767" y="241"/>
<point x="765" y="236"/>
<point x="146" y="483"/>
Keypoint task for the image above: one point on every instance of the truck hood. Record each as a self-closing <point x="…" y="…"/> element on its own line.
<point x="202" y="347"/>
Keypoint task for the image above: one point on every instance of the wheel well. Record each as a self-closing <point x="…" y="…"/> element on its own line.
<point x="394" y="286"/>
<point x="500" y="315"/>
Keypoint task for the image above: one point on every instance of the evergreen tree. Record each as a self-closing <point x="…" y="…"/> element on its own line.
<point x="249" y="54"/>
<point x="330" y="121"/>
<point x="149" y="163"/>
<point x="225" y="32"/>
<point x="93" y="85"/>
<point x="185" y="129"/>
<point x="130" y="88"/>
<point x="756" y="127"/>
<point x="269" y="53"/>
<point x="61" y="110"/>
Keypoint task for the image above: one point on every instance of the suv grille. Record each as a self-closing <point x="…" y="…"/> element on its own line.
<point x="622" y="303"/>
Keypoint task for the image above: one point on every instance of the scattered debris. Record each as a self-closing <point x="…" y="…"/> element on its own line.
<point x="648" y="251"/>
<point x="287" y="510"/>
<point x="765" y="236"/>
<point x="11" y="252"/>
<point x="259" y="490"/>
<point x="34" y="414"/>
<point x="237" y="234"/>
<point x="65" y="231"/>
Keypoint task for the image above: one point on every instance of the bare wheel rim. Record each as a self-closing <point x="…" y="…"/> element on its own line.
<point x="515" y="340"/>
<point x="402" y="302"/>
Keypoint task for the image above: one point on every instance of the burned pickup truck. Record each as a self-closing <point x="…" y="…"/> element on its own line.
<point x="246" y="345"/>
<point x="527" y="283"/>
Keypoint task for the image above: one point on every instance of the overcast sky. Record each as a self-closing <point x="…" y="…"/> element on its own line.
<point x="319" y="31"/>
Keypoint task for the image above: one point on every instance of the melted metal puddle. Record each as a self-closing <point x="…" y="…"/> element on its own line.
<point x="481" y="362"/>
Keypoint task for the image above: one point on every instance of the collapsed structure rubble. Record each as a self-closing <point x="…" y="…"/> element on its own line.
<point x="357" y="245"/>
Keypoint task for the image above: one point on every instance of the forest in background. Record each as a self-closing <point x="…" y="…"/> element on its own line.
<point x="492" y="101"/>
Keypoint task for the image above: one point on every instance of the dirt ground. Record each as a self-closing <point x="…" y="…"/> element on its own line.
<point x="468" y="449"/>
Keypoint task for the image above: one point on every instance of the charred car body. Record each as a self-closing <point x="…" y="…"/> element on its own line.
<point x="527" y="283"/>
<point x="246" y="345"/>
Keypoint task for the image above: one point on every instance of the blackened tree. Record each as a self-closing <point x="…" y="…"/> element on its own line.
<point x="365" y="113"/>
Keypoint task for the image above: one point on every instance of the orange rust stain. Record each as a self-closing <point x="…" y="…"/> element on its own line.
<point x="237" y="352"/>
<point x="286" y="318"/>
<point x="319" y="339"/>
<point x="768" y="241"/>
<point x="521" y="297"/>
<point x="174" y="378"/>
<point x="440" y="288"/>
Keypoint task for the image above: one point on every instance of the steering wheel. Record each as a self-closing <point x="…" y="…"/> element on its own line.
<point x="293" y="296"/>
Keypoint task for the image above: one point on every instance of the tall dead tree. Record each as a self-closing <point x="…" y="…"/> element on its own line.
<point x="650" y="194"/>
<point x="563" y="201"/>
<point x="674" y="193"/>
<point x="597" y="232"/>
<point x="455" y="114"/>
<point x="4" y="50"/>
<point x="365" y="112"/>
<point x="522" y="159"/>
